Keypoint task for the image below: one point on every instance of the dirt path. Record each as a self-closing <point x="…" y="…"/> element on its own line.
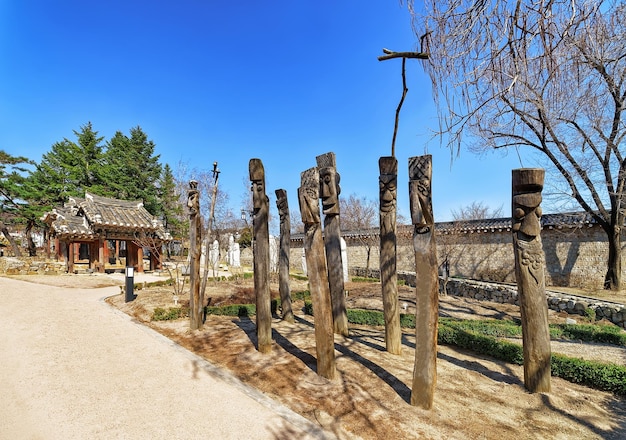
<point x="476" y="398"/>
<point x="72" y="367"/>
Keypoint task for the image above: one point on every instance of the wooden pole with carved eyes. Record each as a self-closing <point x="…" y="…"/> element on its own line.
<point x="196" y="300"/>
<point x="329" y="193"/>
<point x="426" y="280"/>
<point x="261" y="256"/>
<point x="388" y="185"/>
<point x="527" y="184"/>
<point x="283" y="257"/>
<point x="308" y="197"/>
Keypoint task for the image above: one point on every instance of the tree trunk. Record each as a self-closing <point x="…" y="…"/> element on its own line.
<point x="9" y="237"/>
<point x="613" y="277"/>
<point x="32" y="249"/>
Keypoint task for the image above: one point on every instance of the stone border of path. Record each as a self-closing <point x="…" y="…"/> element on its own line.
<point x="219" y="373"/>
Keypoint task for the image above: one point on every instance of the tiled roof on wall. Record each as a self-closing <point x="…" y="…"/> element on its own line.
<point x="548" y="221"/>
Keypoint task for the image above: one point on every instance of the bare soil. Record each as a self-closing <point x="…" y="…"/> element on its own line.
<point x="477" y="397"/>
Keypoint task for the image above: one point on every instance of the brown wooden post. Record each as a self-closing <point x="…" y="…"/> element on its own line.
<point x="329" y="193"/>
<point x="261" y="256"/>
<point x="57" y="249"/>
<point x="103" y="254"/>
<point x="426" y="279"/>
<point x="529" y="272"/>
<point x="196" y="301"/>
<point x="388" y="185"/>
<point x="70" y="257"/>
<point x="308" y="194"/>
<point x="283" y="257"/>
<point x="139" y="258"/>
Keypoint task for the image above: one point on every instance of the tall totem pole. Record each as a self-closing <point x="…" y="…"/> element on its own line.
<point x="261" y="256"/>
<point x="283" y="254"/>
<point x="308" y="197"/>
<point x="196" y="301"/>
<point x="426" y="280"/>
<point x="329" y="193"/>
<point x="527" y="184"/>
<point x="388" y="185"/>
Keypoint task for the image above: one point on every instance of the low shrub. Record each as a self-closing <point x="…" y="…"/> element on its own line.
<point x="364" y="280"/>
<point x="606" y="334"/>
<point x="171" y="314"/>
<point x="232" y="310"/>
<point x="605" y="377"/>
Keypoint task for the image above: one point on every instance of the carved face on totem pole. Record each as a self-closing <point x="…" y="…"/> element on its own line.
<point x="308" y="196"/>
<point x="329" y="188"/>
<point x="193" y="202"/>
<point x="388" y="183"/>
<point x="281" y="203"/>
<point x="257" y="178"/>
<point x="526" y="198"/>
<point x="420" y="192"/>
<point x="527" y="189"/>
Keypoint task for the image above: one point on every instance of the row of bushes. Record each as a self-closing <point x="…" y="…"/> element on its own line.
<point x="480" y="336"/>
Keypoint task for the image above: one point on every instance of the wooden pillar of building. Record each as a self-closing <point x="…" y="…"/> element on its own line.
<point x="103" y="254"/>
<point x="71" y="248"/>
<point x="58" y="252"/>
<point x="139" y="259"/>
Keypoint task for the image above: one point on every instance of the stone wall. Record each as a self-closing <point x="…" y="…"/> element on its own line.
<point x="507" y="293"/>
<point x="31" y="266"/>
<point x="575" y="256"/>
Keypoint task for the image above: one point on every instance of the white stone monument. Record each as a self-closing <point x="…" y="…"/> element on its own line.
<point x="344" y="260"/>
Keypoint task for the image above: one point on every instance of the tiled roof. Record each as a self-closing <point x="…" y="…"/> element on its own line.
<point x="82" y="217"/>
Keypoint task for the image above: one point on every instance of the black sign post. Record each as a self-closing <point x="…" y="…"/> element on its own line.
<point x="130" y="281"/>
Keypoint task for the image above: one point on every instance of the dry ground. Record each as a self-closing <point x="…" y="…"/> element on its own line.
<point x="476" y="398"/>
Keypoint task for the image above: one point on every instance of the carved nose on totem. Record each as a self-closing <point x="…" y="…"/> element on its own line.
<point x="530" y="225"/>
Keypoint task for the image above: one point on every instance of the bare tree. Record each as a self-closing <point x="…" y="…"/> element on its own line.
<point x="360" y="215"/>
<point x="548" y="75"/>
<point x="475" y="211"/>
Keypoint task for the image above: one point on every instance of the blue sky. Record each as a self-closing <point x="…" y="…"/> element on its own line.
<point x="226" y="81"/>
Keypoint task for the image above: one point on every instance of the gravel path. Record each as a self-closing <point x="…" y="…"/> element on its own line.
<point x="72" y="367"/>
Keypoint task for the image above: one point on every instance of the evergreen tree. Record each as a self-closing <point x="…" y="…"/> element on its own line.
<point x="132" y="170"/>
<point x="172" y="212"/>
<point x="70" y="168"/>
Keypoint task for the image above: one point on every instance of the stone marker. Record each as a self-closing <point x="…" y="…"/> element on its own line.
<point x="388" y="185"/>
<point x="308" y="194"/>
<point x="329" y="193"/>
<point x="527" y="184"/>
<point x="426" y="280"/>
<point x="283" y="258"/>
<point x="196" y="301"/>
<point x="261" y="256"/>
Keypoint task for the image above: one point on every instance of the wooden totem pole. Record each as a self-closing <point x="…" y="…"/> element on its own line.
<point x="283" y="256"/>
<point x="261" y="256"/>
<point x="329" y="193"/>
<point x="529" y="273"/>
<point x="426" y="279"/>
<point x="388" y="184"/>
<point x="196" y="301"/>
<point x="308" y="197"/>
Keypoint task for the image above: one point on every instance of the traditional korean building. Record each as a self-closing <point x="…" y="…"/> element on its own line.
<point x="104" y="234"/>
